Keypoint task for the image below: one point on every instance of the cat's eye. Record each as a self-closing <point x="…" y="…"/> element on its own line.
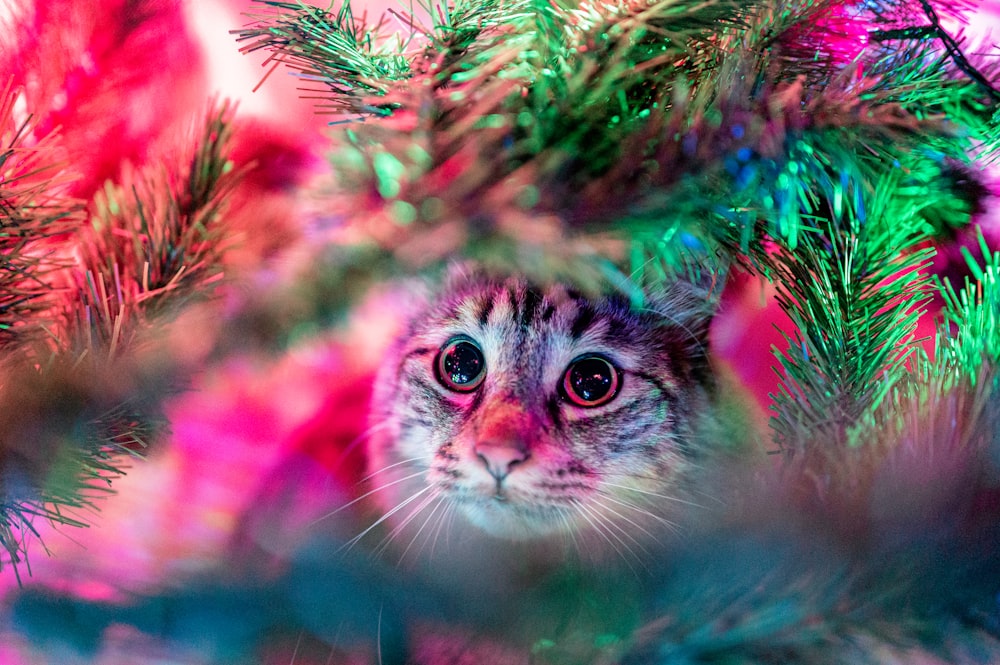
<point x="591" y="381"/>
<point x="460" y="365"/>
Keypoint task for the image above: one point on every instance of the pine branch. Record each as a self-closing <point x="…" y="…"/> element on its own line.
<point x="854" y="290"/>
<point x="74" y="406"/>
<point x="953" y="48"/>
<point x="335" y="51"/>
<point x="969" y="340"/>
<point x="155" y="241"/>
<point x="791" y="598"/>
<point x="33" y="206"/>
<point x="456" y="26"/>
<point x="65" y="431"/>
<point x="641" y="149"/>
<point x="771" y="133"/>
<point x="545" y="110"/>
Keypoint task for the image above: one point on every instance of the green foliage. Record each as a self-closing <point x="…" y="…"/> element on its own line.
<point x="74" y="401"/>
<point x="67" y="431"/>
<point x="154" y="240"/>
<point x="854" y="288"/>
<point x="337" y="51"/>
<point x="706" y="132"/>
<point x="581" y="141"/>
<point x="33" y="206"/>
<point x="969" y="342"/>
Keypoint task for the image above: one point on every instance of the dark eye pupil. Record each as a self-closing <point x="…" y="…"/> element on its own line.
<point x="591" y="379"/>
<point x="462" y="363"/>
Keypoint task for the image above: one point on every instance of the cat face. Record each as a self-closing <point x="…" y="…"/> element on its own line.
<point x="531" y="411"/>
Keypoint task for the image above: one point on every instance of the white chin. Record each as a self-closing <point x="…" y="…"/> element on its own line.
<point x="511" y="521"/>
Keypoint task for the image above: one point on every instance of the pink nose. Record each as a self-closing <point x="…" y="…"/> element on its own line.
<point x="500" y="458"/>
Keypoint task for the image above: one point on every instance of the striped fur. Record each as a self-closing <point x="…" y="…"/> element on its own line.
<point x="611" y="474"/>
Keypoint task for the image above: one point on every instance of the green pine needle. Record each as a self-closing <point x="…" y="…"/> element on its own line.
<point x="155" y="240"/>
<point x="72" y="405"/>
<point x="453" y="27"/>
<point x="33" y="206"/>
<point x="66" y="430"/>
<point x="969" y="340"/>
<point x="854" y="288"/>
<point x="335" y="51"/>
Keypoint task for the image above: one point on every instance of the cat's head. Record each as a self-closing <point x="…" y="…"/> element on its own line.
<point x="536" y="410"/>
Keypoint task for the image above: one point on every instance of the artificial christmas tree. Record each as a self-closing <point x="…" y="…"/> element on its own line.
<point x="825" y="147"/>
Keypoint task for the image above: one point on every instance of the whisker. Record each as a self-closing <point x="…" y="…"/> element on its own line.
<point x="399" y="528"/>
<point x="689" y="490"/>
<point x="665" y="497"/>
<point x="446" y="517"/>
<point x="612" y="524"/>
<point x="582" y="512"/>
<point x="451" y="523"/>
<point x="295" y="652"/>
<point x="627" y="519"/>
<point x="597" y="523"/>
<point x="378" y="636"/>
<point x="364" y="496"/>
<point x="439" y="497"/>
<point x="679" y="322"/>
<point x="638" y="269"/>
<point x="356" y="441"/>
<point x="569" y="530"/>
<point x="353" y="541"/>
<point x="392" y="466"/>
<point x="639" y="509"/>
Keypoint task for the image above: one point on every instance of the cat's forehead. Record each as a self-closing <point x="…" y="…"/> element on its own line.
<point x="485" y="302"/>
<point x="510" y="298"/>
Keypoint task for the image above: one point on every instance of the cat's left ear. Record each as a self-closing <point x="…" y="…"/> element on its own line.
<point x="688" y="300"/>
<point x="461" y="275"/>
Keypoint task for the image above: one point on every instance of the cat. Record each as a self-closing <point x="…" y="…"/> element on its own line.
<point x="533" y="412"/>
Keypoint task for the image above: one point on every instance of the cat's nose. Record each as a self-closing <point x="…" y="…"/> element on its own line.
<point x="500" y="457"/>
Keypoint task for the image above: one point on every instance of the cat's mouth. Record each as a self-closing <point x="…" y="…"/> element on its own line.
<point x="501" y="492"/>
<point x="522" y="505"/>
<point x="507" y="513"/>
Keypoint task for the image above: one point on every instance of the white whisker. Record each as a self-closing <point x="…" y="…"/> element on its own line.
<point x="378" y="636"/>
<point x="356" y="441"/>
<point x="439" y="497"/>
<point x="295" y="652"/>
<point x="451" y="523"/>
<point x="599" y="509"/>
<point x="665" y="497"/>
<point x="392" y="466"/>
<point x="611" y="524"/>
<point x="627" y="519"/>
<point x="596" y="522"/>
<point x="639" y="509"/>
<point x="353" y="541"/>
<point x="443" y="521"/>
<point x="569" y="530"/>
<point x="401" y="526"/>
<point x="365" y="496"/>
